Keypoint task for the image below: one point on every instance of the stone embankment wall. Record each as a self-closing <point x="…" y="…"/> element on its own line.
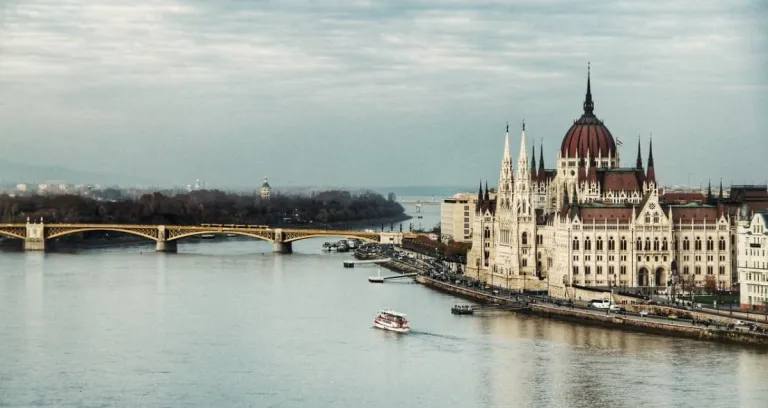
<point x="465" y="293"/>
<point x="650" y="326"/>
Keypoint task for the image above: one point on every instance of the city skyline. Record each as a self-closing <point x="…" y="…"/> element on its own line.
<point x="377" y="95"/>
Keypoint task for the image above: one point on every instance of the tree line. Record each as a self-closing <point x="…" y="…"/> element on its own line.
<point x="198" y="207"/>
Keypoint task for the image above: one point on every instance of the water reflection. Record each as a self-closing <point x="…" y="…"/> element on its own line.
<point x="230" y="324"/>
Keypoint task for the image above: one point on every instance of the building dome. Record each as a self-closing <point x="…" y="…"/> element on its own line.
<point x="588" y="135"/>
<point x="265" y="184"/>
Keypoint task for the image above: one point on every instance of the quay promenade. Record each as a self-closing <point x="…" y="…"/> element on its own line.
<point x="655" y="319"/>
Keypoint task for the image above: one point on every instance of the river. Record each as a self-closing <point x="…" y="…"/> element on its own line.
<point x="229" y="324"/>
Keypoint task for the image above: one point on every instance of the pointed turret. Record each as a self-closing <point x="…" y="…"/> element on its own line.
<point x="506" y="144"/>
<point x="639" y="164"/>
<point x="582" y="171"/>
<point x="542" y="172"/>
<point x="480" y="197"/>
<point x="720" y="194"/>
<point x="589" y="105"/>
<point x="533" y="158"/>
<point x="523" y="171"/>
<point x="650" y="176"/>
<point x="487" y="196"/>
<point x="709" y="191"/>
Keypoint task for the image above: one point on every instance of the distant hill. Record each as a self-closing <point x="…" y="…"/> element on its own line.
<point x="12" y="173"/>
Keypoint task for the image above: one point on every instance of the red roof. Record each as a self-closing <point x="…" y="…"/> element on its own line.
<point x="695" y="214"/>
<point x="621" y="179"/>
<point x="588" y="134"/>
<point x="601" y="215"/>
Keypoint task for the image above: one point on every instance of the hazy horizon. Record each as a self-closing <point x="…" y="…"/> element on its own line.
<point x="376" y="93"/>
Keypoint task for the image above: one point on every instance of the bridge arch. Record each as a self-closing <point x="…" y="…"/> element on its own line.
<point x="364" y="237"/>
<point x="60" y="233"/>
<point x="10" y="234"/>
<point x="241" y="233"/>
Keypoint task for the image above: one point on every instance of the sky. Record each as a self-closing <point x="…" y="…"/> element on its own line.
<point x="377" y="93"/>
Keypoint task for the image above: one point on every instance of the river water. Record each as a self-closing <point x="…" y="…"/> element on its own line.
<point x="228" y="324"/>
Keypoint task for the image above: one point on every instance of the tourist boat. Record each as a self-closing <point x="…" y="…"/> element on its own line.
<point x="462" y="310"/>
<point x="390" y="320"/>
<point x="208" y="236"/>
<point x="349" y="264"/>
<point x="231" y="235"/>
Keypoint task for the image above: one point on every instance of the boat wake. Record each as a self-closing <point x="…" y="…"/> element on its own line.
<point x="438" y="335"/>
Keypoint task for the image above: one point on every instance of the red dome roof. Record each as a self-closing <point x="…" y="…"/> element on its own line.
<point x="588" y="134"/>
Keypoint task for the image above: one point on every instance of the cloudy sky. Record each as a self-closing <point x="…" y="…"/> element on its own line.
<point x="375" y="93"/>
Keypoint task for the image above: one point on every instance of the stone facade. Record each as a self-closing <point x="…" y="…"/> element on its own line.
<point x="753" y="260"/>
<point x="589" y="222"/>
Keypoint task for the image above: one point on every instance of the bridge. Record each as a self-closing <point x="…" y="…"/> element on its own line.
<point x="36" y="235"/>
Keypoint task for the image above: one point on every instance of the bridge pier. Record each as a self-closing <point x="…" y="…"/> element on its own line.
<point x="35" y="239"/>
<point x="283" y="248"/>
<point x="166" y="246"/>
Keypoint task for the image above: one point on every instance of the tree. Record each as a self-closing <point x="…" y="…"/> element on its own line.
<point x="710" y="284"/>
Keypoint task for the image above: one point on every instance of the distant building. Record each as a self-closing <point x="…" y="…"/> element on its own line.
<point x="391" y="197"/>
<point x="265" y="191"/>
<point x="753" y="259"/>
<point x="457" y="214"/>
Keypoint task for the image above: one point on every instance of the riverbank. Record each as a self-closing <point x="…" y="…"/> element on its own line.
<point x="659" y="322"/>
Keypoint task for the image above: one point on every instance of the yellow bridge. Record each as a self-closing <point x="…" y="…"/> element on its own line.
<point x="35" y="235"/>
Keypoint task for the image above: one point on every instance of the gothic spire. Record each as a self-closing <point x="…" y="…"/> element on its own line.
<point x="522" y="159"/>
<point x="709" y="191"/>
<point x="541" y="156"/>
<point x="506" y="144"/>
<point x="589" y="105"/>
<point x="480" y="195"/>
<point x="720" y="194"/>
<point x="651" y="174"/>
<point x="487" y="197"/>
<point x="533" y="158"/>
<point x="639" y="164"/>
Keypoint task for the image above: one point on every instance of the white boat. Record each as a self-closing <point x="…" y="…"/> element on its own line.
<point x="390" y="320"/>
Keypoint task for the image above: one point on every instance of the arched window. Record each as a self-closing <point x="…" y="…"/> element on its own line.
<point x="611" y="244"/>
<point x="647" y="244"/>
<point x="639" y="244"/>
<point x="721" y="246"/>
<point x="623" y="244"/>
<point x="698" y="244"/>
<point x="575" y="244"/>
<point x="656" y="218"/>
<point x="664" y="246"/>
<point x="675" y="247"/>
<point x="487" y="233"/>
<point x="524" y="238"/>
<point x="599" y="243"/>
<point x="686" y="244"/>
<point x="587" y="244"/>
<point x="655" y="244"/>
<point x="647" y="218"/>
<point x="710" y="244"/>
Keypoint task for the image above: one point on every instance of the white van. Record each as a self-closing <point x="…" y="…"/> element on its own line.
<point x="599" y="304"/>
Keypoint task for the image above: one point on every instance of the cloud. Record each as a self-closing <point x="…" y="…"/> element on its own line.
<point x="162" y="60"/>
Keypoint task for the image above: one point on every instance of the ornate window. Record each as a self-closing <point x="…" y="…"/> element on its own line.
<point x="710" y="244"/>
<point x="639" y="244"/>
<point x="599" y="243"/>
<point x="664" y="246"/>
<point x="647" y="218"/>
<point x="698" y="244"/>
<point x="647" y="244"/>
<point x="686" y="244"/>
<point x="524" y="238"/>
<point x="575" y="244"/>
<point x="587" y="244"/>
<point x="655" y="218"/>
<point x="655" y="244"/>
<point x="611" y="244"/>
<point x="721" y="245"/>
<point x="623" y="244"/>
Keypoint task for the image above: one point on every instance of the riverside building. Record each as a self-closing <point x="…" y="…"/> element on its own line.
<point x="753" y="260"/>
<point x="591" y="222"/>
